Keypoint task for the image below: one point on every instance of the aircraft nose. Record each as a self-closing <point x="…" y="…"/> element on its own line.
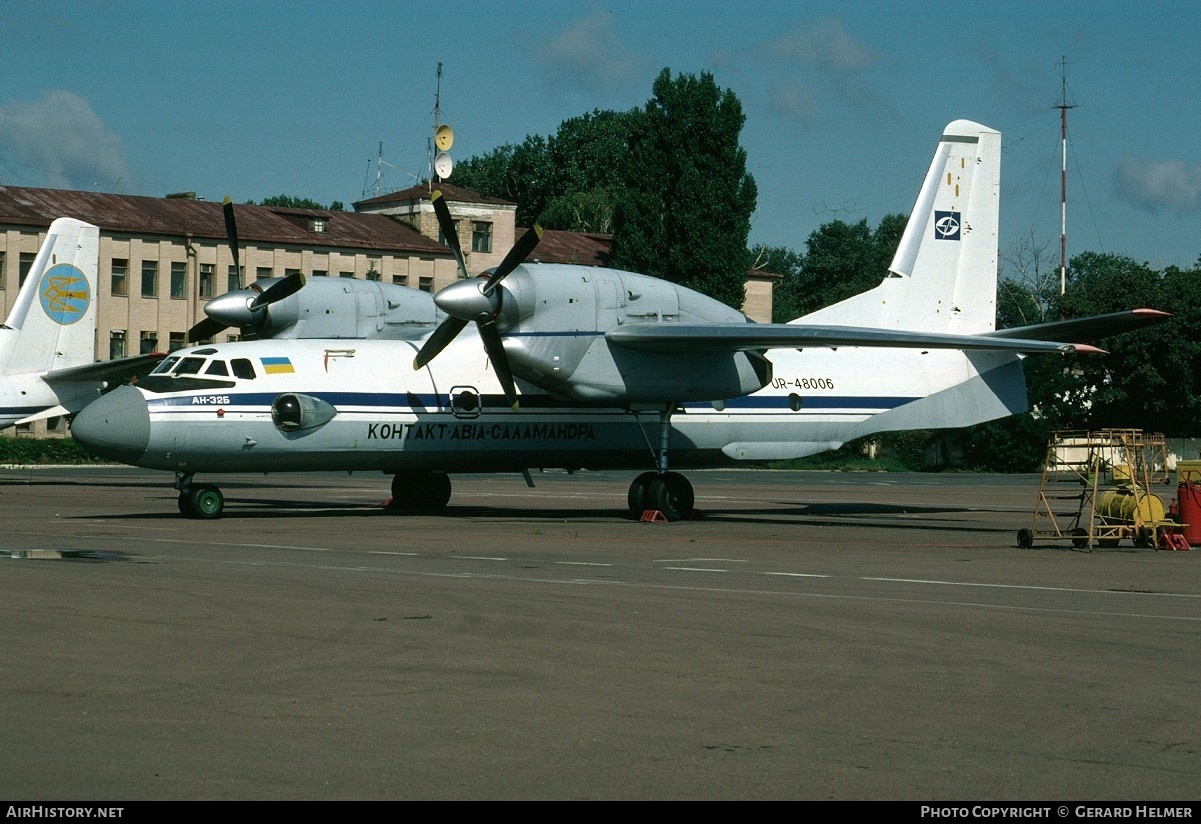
<point x="115" y="426"/>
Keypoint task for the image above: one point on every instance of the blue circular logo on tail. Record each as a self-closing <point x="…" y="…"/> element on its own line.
<point x="64" y="293"/>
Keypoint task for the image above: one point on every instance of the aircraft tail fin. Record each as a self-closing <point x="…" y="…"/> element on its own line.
<point x="52" y="324"/>
<point x="943" y="277"/>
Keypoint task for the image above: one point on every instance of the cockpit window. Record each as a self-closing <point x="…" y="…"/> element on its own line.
<point x="243" y="368"/>
<point x="217" y="367"/>
<point x="190" y="366"/>
<point x="165" y="366"/>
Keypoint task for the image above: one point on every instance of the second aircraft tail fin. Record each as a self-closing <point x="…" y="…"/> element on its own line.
<point x="52" y="324"/>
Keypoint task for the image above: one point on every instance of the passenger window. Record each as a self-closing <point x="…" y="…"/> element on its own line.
<point x="243" y="368"/>
<point x="217" y="367"/>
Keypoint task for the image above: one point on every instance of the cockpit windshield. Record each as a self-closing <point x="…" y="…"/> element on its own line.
<point x="200" y="369"/>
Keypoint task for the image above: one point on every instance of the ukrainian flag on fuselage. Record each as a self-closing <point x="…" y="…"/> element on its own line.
<point x="277" y="366"/>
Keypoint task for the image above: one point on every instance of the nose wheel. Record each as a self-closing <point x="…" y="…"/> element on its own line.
<point x="200" y="501"/>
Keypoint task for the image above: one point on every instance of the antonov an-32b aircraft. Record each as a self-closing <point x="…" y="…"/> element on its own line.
<point x="48" y="341"/>
<point x="544" y="365"/>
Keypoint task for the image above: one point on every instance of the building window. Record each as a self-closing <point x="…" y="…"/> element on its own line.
<point x="207" y="275"/>
<point x="3" y="269"/>
<point x="179" y="280"/>
<point x="149" y="278"/>
<point x="481" y="237"/>
<point x="346" y="274"/>
<point x="262" y="272"/>
<point x="119" y="280"/>
<point x="56" y="424"/>
<point x="175" y="340"/>
<point x="317" y="224"/>
<point x="26" y="263"/>
<point x="320" y="273"/>
<point x="400" y="280"/>
<point x="426" y="284"/>
<point x="233" y="281"/>
<point x="148" y="344"/>
<point x="116" y="344"/>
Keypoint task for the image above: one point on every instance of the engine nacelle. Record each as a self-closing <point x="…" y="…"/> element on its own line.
<point x="556" y="317"/>
<point x="292" y="412"/>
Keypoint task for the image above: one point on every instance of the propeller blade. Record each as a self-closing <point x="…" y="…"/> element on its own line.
<point x="496" y="353"/>
<point x="436" y="342"/>
<point x="447" y="224"/>
<point x="231" y="232"/>
<point x="278" y="291"/>
<point x="520" y="251"/>
<point x="205" y="330"/>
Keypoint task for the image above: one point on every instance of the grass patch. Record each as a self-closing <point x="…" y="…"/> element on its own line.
<point x="43" y="451"/>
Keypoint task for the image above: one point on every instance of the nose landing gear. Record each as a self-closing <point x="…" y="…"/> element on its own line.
<point x="200" y="501"/>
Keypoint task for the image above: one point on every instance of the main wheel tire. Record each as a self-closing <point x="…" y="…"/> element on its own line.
<point x="1080" y="537"/>
<point x="639" y="497"/>
<point x="1025" y="538"/>
<point x="205" y="502"/>
<point x="671" y="493"/>
<point x="422" y="490"/>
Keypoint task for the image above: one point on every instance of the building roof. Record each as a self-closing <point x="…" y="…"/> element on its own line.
<point x="584" y="248"/>
<point x="457" y="194"/>
<point x="183" y="216"/>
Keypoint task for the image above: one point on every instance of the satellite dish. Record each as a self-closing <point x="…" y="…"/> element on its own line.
<point x="443" y="165"/>
<point x="444" y="137"/>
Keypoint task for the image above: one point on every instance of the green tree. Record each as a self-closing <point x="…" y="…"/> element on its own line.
<point x="685" y="210"/>
<point x="779" y="260"/>
<point x="841" y="259"/>
<point x="289" y="202"/>
<point x="1148" y="379"/>
<point x="569" y="180"/>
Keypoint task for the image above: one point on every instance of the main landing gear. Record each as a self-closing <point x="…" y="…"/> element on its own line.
<point x="668" y="492"/>
<point x="202" y="501"/>
<point x="420" y="490"/>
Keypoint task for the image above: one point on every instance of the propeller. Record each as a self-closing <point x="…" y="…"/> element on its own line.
<point x="476" y="299"/>
<point x="242" y="307"/>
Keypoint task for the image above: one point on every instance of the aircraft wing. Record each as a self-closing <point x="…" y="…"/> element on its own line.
<point x="1094" y="327"/>
<point x="105" y="370"/>
<point x="654" y="337"/>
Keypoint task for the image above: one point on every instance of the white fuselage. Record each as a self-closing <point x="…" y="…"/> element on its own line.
<point x="451" y="415"/>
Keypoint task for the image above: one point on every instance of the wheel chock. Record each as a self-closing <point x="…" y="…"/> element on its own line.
<point x="653" y="516"/>
<point x="1173" y="540"/>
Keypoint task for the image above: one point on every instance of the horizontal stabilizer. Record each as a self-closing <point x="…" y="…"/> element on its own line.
<point x="654" y="337"/>
<point x="105" y="370"/>
<point x="1079" y="330"/>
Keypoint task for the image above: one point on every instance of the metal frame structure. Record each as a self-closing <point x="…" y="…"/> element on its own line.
<point x="1085" y="474"/>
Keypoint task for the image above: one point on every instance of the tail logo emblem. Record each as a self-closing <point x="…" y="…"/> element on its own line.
<point x="946" y="225"/>
<point x="64" y="293"/>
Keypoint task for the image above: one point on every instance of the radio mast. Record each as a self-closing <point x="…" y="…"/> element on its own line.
<point x="1063" y="177"/>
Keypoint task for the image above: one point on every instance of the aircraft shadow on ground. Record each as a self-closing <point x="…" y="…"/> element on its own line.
<point x="851" y="514"/>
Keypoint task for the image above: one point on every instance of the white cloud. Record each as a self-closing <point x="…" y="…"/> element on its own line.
<point x="818" y="67"/>
<point x="587" y="56"/>
<point x="824" y="46"/>
<point x="1159" y="185"/>
<point x="57" y="141"/>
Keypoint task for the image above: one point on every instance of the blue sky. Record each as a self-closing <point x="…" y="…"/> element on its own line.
<point x="844" y="101"/>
